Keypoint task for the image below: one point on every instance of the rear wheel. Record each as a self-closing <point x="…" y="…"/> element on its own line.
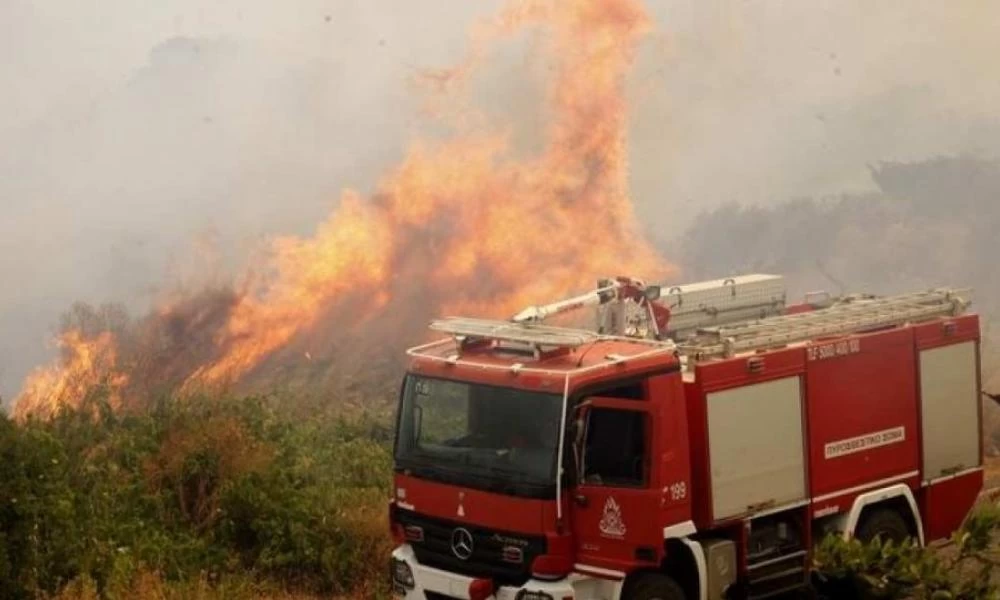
<point x="884" y="523"/>
<point x="655" y="587"/>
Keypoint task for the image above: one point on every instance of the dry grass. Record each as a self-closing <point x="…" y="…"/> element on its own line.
<point x="150" y="586"/>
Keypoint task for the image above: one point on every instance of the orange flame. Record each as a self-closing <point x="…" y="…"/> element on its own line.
<point x="461" y="225"/>
<point x="84" y="365"/>
<point x="350" y="250"/>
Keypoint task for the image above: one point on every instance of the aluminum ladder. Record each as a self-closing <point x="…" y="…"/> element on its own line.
<point x="846" y="316"/>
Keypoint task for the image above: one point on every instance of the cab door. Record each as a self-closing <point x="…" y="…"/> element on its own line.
<point x="616" y="501"/>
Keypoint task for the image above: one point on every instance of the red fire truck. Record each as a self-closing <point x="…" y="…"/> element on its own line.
<point x="694" y="445"/>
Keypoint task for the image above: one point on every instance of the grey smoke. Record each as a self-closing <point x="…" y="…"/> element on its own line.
<point x="760" y="101"/>
<point x="132" y="131"/>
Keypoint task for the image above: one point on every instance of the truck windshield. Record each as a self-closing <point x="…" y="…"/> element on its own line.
<point x="483" y="432"/>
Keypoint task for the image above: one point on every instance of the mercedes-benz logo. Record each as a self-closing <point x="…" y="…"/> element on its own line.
<point x="461" y="543"/>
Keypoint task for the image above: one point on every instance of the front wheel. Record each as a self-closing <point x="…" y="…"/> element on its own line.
<point x="655" y="587"/>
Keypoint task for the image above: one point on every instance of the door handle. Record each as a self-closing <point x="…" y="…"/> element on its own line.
<point x="581" y="500"/>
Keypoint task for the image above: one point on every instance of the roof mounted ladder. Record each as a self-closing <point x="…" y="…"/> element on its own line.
<point x="849" y="315"/>
<point x="536" y="338"/>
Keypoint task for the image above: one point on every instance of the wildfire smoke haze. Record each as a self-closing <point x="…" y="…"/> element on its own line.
<point x="462" y="225"/>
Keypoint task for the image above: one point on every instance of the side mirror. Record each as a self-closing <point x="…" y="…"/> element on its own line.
<point x="652" y="292"/>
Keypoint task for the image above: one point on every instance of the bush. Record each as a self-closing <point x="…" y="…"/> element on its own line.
<point x="189" y="490"/>
<point x="962" y="570"/>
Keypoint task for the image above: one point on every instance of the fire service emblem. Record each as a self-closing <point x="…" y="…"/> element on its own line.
<point x="612" y="525"/>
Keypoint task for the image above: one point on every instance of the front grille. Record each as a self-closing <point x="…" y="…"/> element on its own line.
<point x="486" y="560"/>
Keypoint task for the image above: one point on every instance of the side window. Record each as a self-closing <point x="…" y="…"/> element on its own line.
<point x="615" y="448"/>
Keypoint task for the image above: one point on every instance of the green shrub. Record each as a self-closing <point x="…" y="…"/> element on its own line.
<point x="204" y="488"/>
<point x="961" y="570"/>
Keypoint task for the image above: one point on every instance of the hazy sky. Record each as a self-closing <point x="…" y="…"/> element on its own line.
<point x="129" y="128"/>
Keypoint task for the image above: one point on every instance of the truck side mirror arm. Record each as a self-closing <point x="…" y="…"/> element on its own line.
<point x="418" y="421"/>
<point x="580" y="417"/>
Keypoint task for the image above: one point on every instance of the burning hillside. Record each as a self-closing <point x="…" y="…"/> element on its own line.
<point x="460" y="226"/>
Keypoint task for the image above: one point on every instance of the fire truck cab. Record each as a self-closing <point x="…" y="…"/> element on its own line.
<point x="546" y="463"/>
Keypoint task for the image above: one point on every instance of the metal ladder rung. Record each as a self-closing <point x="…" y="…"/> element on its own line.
<point x="838" y="313"/>
<point x="822" y="325"/>
<point x="834" y="314"/>
<point x="805" y="333"/>
<point x="838" y="320"/>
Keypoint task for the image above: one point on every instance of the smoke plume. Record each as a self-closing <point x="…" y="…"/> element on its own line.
<point x="461" y="225"/>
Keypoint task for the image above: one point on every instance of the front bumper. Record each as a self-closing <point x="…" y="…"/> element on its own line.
<point x="455" y="586"/>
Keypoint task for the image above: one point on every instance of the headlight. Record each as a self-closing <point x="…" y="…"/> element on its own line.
<point x="402" y="573"/>
<point x="526" y="595"/>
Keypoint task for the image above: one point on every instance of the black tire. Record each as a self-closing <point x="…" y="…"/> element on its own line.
<point x="655" y="587"/>
<point x="885" y="523"/>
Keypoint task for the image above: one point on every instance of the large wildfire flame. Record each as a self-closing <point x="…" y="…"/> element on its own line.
<point x="85" y="364"/>
<point x="459" y="227"/>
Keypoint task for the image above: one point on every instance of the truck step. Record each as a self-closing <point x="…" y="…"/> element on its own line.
<point x="778" y="576"/>
<point x="794" y="558"/>
<point x="797" y="572"/>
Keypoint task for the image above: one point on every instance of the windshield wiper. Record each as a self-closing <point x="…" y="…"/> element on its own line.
<point x="434" y="468"/>
<point x="519" y="477"/>
<point x="500" y="470"/>
<point x="506" y="481"/>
